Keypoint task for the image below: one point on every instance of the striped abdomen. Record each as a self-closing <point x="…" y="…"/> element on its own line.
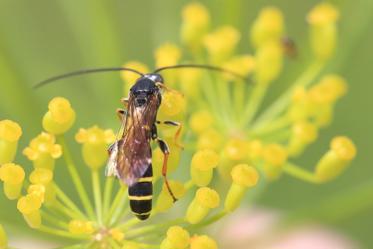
<point x="140" y="195"/>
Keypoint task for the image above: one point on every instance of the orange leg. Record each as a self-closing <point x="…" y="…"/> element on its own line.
<point x="178" y="131"/>
<point x="164" y="148"/>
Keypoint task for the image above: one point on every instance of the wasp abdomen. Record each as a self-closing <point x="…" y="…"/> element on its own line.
<point x="140" y="195"/>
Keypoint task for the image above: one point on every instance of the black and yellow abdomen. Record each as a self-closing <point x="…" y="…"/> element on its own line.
<point x="140" y="195"/>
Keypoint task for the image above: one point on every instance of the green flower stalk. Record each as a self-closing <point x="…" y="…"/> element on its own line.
<point x="228" y="139"/>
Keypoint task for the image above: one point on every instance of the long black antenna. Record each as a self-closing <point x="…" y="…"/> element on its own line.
<point x="85" y="71"/>
<point x="201" y="66"/>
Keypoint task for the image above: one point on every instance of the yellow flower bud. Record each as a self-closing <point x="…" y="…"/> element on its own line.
<point x="165" y="201"/>
<point x="167" y="55"/>
<point x="12" y="175"/>
<point x="95" y="142"/>
<point x="3" y="238"/>
<point x="196" y="20"/>
<point x="303" y="133"/>
<point x="269" y="26"/>
<point x="210" y="139"/>
<point x="243" y="177"/>
<point x="177" y="238"/>
<point x="205" y="199"/>
<point x="43" y="151"/>
<point x="203" y="163"/>
<point x="201" y="121"/>
<point x="275" y="156"/>
<point x="328" y="90"/>
<point x="242" y="64"/>
<point x="269" y="62"/>
<point x="334" y="162"/>
<point x="10" y="132"/>
<point x="255" y="149"/>
<point x="37" y="190"/>
<point x="323" y="33"/>
<point x="116" y="234"/>
<point x="81" y="227"/>
<point x="221" y="43"/>
<point x="29" y="206"/>
<point x="301" y="106"/>
<point x="130" y="78"/>
<point x="44" y="177"/>
<point x="173" y="103"/>
<point x="202" y="242"/>
<point x="236" y="149"/>
<point x="60" y="116"/>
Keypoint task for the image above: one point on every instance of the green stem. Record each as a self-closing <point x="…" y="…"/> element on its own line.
<point x="281" y="103"/>
<point x="277" y="124"/>
<point x="120" y="196"/>
<point x="253" y="103"/>
<point x="64" y="210"/>
<point x="107" y="193"/>
<point x="119" y="213"/>
<point x="68" y="202"/>
<point x="60" y="233"/>
<point x="300" y="173"/>
<point x="97" y="195"/>
<point x="128" y="224"/>
<point x="208" y="221"/>
<point x="134" y="233"/>
<point x="76" y="178"/>
<point x="53" y="220"/>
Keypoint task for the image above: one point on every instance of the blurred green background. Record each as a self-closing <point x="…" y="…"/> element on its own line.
<point x="41" y="38"/>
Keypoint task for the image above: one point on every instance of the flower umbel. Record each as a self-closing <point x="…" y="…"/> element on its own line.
<point x="228" y="138"/>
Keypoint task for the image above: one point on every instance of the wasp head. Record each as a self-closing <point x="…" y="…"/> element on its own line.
<point x="145" y="87"/>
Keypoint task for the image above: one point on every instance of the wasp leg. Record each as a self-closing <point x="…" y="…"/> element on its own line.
<point x="124" y="101"/>
<point x="121" y="113"/>
<point x="166" y="152"/>
<point x="178" y="131"/>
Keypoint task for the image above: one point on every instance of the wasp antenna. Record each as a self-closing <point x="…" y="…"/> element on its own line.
<point x="201" y="66"/>
<point x="84" y="71"/>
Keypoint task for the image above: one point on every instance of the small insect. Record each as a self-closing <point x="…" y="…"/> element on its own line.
<point x="290" y="47"/>
<point x="130" y="157"/>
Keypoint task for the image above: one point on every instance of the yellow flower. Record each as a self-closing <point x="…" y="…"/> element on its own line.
<point x="221" y="43"/>
<point x="303" y="133"/>
<point x="255" y="149"/>
<point x="167" y="55"/>
<point x="203" y="163"/>
<point x="95" y="142"/>
<point x="43" y="151"/>
<point x="10" y="132"/>
<point x="202" y="242"/>
<point x="323" y="18"/>
<point x="269" y="26"/>
<point x="37" y="190"/>
<point x="205" y="199"/>
<point x="177" y="238"/>
<point x="12" y="175"/>
<point x="29" y="206"/>
<point x="241" y="64"/>
<point x="189" y="82"/>
<point x="275" y="156"/>
<point x="236" y="149"/>
<point x="243" y="177"/>
<point x="81" y="227"/>
<point x="130" y="78"/>
<point x="44" y="177"/>
<point x="328" y="90"/>
<point x="334" y="162"/>
<point x="173" y="103"/>
<point x="196" y="20"/>
<point x="269" y="62"/>
<point x="210" y="139"/>
<point x="60" y="116"/>
<point x="116" y="234"/>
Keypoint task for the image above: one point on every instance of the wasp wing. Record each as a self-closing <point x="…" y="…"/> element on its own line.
<point x="134" y="151"/>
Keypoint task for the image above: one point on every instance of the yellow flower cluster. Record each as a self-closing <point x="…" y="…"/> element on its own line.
<point x="227" y="136"/>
